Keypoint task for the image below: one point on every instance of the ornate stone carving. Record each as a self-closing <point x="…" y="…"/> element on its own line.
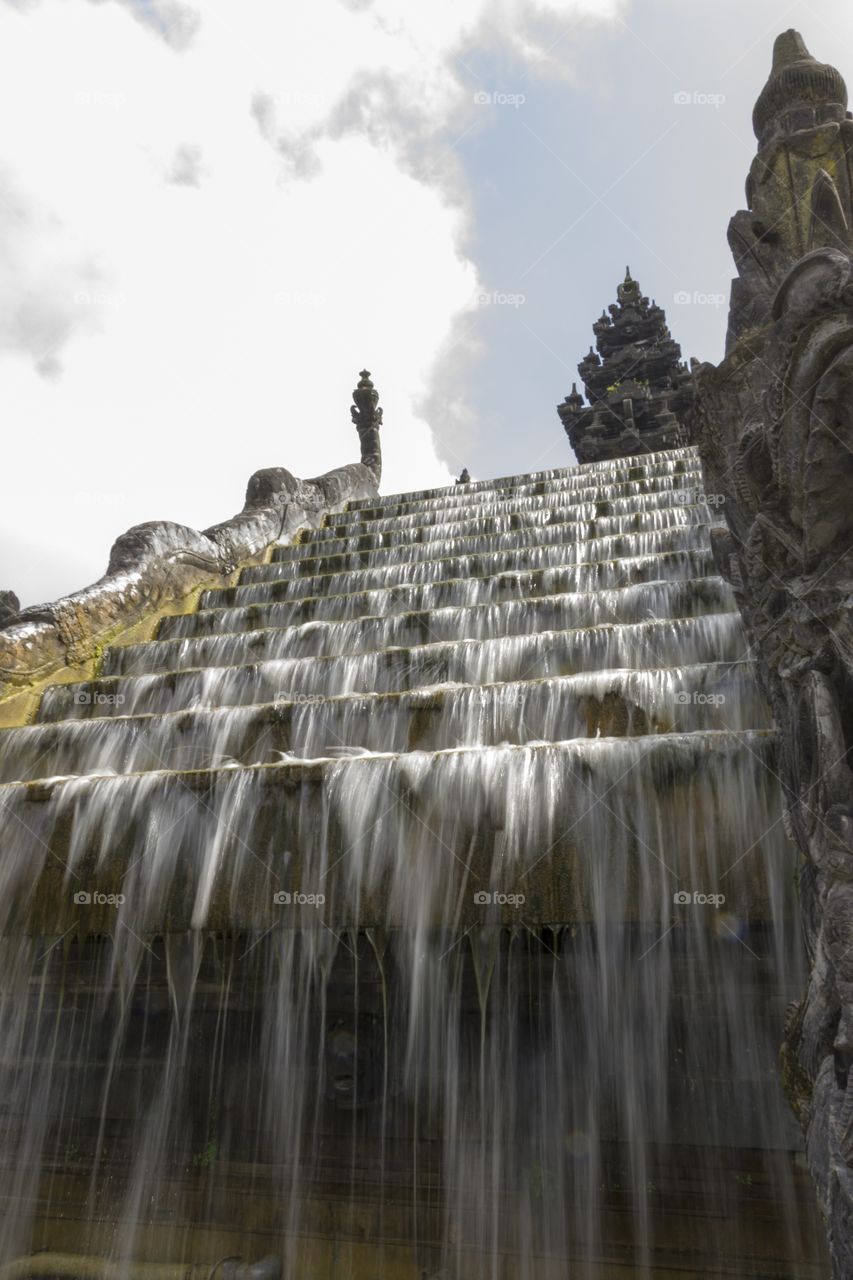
<point x="800" y="187"/>
<point x="774" y="423"/>
<point x="367" y="417"/>
<point x="636" y="383"/>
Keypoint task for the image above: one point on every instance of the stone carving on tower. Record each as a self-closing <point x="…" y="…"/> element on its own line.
<point x="774" y="424"/>
<point x="637" y="385"/>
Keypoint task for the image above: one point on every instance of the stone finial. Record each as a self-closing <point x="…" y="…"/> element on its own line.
<point x="367" y="417"/>
<point x="787" y="48"/>
<point x="575" y="399"/>
<point x="801" y="92"/>
<point x="800" y="186"/>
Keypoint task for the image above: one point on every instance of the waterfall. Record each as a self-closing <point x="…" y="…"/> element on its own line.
<point x="418" y="907"/>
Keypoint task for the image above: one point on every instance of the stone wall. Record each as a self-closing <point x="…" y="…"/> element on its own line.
<point x="774" y="424"/>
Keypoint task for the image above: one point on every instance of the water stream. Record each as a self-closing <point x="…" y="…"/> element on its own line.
<point x="419" y="907"/>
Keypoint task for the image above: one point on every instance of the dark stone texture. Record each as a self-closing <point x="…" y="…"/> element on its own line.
<point x="10" y="607"/>
<point x="774" y="424"/>
<point x="638" y="388"/>
<point x="159" y="562"/>
<point x="367" y="417"/>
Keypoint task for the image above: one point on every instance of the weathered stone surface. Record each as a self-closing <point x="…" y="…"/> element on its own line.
<point x="10" y="607"/>
<point x="155" y="564"/>
<point x="637" y="385"/>
<point x="367" y="417"/>
<point x="800" y="186"/>
<point x="775" y="428"/>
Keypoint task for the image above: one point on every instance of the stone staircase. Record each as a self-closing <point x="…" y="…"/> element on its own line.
<point x="439" y="631"/>
<point x="519" y="709"/>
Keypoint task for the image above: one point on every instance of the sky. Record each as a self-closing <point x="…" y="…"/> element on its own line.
<point x="213" y="214"/>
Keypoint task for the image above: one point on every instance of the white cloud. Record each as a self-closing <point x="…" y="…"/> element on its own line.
<point x="187" y="168"/>
<point x="45" y="275"/>
<point x="207" y="227"/>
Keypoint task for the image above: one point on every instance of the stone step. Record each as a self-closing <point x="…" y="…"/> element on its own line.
<point x="320" y="577"/>
<point x="523" y="509"/>
<point x="673" y="642"/>
<point x="643" y="829"/>
<point x="450" y="539"/>
<point x="662" y="461"/>
<point x="680" y="599"/>
<point x="236" y="1207"/>
<point x="609" y="575"/>
<point x="686" y="482"/>
<point x="632" y="515"/>
<point x="599" y="704"/>
<point x="570" y="551"/>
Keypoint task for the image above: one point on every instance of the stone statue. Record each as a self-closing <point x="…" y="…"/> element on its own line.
<point x="637" y="385"/>
<point x="774" y="424"/>
<point x="464" y="477"/>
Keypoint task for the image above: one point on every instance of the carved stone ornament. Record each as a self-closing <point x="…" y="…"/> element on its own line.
<point x="774" y="424"/>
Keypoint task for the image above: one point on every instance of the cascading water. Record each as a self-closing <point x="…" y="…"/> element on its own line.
<point x="419" y="907"/>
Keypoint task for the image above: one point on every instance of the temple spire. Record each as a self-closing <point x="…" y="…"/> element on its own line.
<point x="637" y="386"/>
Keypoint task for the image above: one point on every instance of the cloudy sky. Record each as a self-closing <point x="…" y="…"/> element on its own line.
<point x="214" y="213"/>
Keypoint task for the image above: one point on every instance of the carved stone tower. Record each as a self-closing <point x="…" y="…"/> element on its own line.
<point x="636" y="383"/>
